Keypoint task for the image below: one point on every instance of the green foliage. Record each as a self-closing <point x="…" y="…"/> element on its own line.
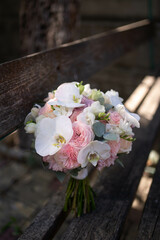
<point x="75" y="171"/>
<point x="13" y="225"/>
<point x="31" y="121"/>
<point x="98" y="129"/>
<point x="60" y="175"/>
<point x="128" y="138"/>
<point x="119" y="162"/>
<point x="80" y="86"/>
<point x="79" y="197"/>
<point x="110" y="136"/>
<point x="96" y="95"/>
<point x="103" y="116"/>
<point x="101" y="100"/>
<point x="108" y="107"/>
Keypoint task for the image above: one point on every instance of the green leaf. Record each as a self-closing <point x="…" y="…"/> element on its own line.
<point x="108" y="107"/>
<point x="110" y="136"/>
<point x="128" y="138"/>
<point x="99" y="129"/>
<point x="96" y="95"/>
<point x="60" y="175"/>
<point x="101" y="100"/>
<point x="75" y="171"/>
<point x="119" y="162"/>
<point x="31" y="121"/>
<point x="80" y="86"/>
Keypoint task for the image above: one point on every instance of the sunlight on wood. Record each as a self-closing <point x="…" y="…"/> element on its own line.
<point x="151" y="102"/>
<point x="139" y="94"/>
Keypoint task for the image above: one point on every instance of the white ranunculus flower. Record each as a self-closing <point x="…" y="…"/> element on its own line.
<point x="132" y="118"/>
<point x="96" y="108"/>
<point x="86" y="117"/>
<point x="30" y="128"/>
<point x="62" y="111"/>
<point x="34" y="112"/>
<point x="67" y="95"/>
<point x="52" y="134"/>
<point x="113" y="98"/>
<point x="89" y="113"/>
<point x="87" y="90"/>
<point x="93" y="152"/>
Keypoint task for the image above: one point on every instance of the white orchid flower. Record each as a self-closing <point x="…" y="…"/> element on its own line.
<point x="113" y="98"/>
<point x="132" y="118"/>
<point x="52" y="134"/>
<point x="93" y="152"/>
<point x="67" y="95"/>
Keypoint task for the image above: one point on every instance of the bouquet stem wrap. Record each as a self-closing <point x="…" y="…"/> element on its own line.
<point x="79" y="197"/>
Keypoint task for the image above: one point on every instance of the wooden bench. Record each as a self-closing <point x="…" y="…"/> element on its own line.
<point x="26" y="81"/>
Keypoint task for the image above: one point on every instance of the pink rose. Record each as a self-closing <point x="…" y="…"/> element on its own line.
<point x="64" y="159"/>
<point x="82" y="135"/>
<point x="88" y="102"/>
<point x="75" y="113"/>
<point x="115" y="118"/>
<point x="125" y="146"/>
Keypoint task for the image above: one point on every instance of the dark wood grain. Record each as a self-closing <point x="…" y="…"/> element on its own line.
<point x="150" y="223"/>
<point x="116" y="188"/>
<point x="46" y="223"/>
<point x="26" y="81"/>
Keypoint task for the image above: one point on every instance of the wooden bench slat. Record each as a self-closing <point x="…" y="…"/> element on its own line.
<point x="152" y="105"/>
<point x="150" y="223"/>
<point x="115" y="190"/>
<point x="26" y="81"/>
<point x="47" y="221"/>
<point x="139" y="93"/>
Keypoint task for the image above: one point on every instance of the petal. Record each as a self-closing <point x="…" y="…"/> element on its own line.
<point x="70" y="104"/>
<point x="66" y="91"/>
<point x="64" y="127"/>
<point x="47" y="129"/>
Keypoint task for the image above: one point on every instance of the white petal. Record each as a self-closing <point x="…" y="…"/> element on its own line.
<point x="100" y="148"/>
<point x="70" y="104"/>
<point x="47" y="130"/>
<point x="64" y="127"/>
<point x="132" y="118"/>
<point x="86" y="117"/>
<point x="66" y="91"/>
<point x="82" y="156"/>
<point x="113" y="97"/>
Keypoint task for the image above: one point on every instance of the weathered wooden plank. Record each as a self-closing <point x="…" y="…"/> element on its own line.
<point x="26" y="81"/>
<point x="149" y="227"/>
<point x="116" y="189"/>
<point x="139" y="93"/>
<point x="46" y="223"/>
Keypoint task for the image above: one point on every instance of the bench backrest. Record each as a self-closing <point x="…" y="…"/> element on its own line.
<point x="27" y="80"/>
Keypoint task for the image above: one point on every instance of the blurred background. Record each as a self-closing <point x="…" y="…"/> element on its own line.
<point x="31" y="26"/>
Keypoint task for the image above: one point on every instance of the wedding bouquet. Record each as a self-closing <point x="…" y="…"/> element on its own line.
<point x="76" y="127"/>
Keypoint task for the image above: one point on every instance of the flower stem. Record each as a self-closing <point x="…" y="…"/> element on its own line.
<point x="79" y="197"/>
